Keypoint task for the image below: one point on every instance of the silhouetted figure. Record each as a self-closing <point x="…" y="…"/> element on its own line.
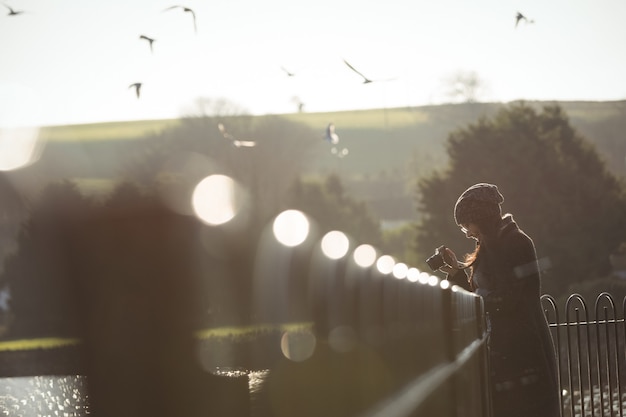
<point x="236" y="142"/>
<point x="150" y="41"/>
<point x="289" y="74"/>
<point x="520" y="17"/>
<point x="365" y="79"/>
<point x="331" y="136"/>
<point x="188" y="10"/>
<point x="13" y="12"/>
<point x="137" y="87"/>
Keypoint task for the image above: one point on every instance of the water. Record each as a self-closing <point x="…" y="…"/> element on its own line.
<point x="66" y="396"/>
<point x="43" y="396"/>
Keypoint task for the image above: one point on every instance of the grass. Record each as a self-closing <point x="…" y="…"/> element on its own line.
<point x="363" y="119"/>
<point x="40" y="343"/>
<point x="247" y="331"/>
<point x="105" y="131"/>
<point x="227" y="332"/>
<point x="376" y="119"/>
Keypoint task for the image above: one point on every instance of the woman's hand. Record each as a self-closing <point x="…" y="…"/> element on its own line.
<point x="449" y="257"/>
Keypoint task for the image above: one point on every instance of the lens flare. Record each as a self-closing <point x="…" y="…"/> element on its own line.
<point x="400" y="270"/>
<point x="291" y="227"/>
<point x="365" y="255"/>
<point x="298" y="346"/>
<point x="385" y="264"/>
<point x="213" y="199"/>
<point x="433" y="281"/>
<point x="335" y="244"/>
<point x="413" y="274"/>
<point x="19" y="147"/>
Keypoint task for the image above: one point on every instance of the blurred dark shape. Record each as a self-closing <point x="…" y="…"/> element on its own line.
<point x="150" y="41"/>
<point x="125" y="276"/>
<point x="136" y="269"/>
<point x="13" y="12"/>
<point x="43" y="301"/>
<point x="187" y="10"/>
<point x="137" y="87"/>
<point x="289" y="74"/>
<point x="519" y="17"/>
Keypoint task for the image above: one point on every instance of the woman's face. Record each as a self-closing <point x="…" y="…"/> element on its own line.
<point x="471" y="231"/>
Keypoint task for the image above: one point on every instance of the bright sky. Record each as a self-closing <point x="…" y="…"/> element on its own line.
<point x="72" y="61"/>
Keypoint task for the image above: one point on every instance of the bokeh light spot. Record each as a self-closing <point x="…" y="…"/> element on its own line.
<point x="365" y="255"/>
<point x="342" y="339"/>
<point x="385" y="264"/>
<point x="19" y="147"/>
<point x="291" y="227"/>
<point x="413" y="274"/>
<point x="298" y="346"/>
<point x="335" y="244"/>
<point x="400" y="270"/>
<point x="423" y="277"/>
<point x="433" y="281"/>
<point x="213" y="199"/>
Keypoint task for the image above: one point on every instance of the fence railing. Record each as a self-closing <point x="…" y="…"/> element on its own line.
<point x="591" y="346"/>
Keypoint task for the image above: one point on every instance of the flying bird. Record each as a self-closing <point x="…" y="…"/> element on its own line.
<point x="188" y="10"/>
<point x="137" y="87"/>
<point x="236" y="142"/>
<point x="331" y="136"/>
<point x="365" y="79"/>
<point x="150" y="41"/>
<point x="519" y="17"/>
<point x="289" y="74"/>
<point x="13" y="12"/>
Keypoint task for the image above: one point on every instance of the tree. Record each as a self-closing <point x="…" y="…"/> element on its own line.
<point x="465" y="87"/>
<point x="552" y="179"/>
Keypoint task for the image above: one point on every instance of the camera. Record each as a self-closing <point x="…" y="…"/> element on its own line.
<point x="436" y="260"/>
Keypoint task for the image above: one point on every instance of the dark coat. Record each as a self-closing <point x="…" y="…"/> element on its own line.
<point x="522" y="356"/>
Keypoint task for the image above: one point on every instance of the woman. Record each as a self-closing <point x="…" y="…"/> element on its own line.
<point x="504" y="271"/>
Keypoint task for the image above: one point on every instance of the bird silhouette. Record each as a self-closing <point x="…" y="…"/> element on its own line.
<point x="331" y="136"/>
<point x="13" y="12"/>
<point x="519" y="17"/>
<point x="289" y="74"/>
<point x="150" y="41"/>
<point x="236" y="142"/>
<point x="137" y="87"/>
<point x="188" y="10"/>
<point x="365" y="79"/>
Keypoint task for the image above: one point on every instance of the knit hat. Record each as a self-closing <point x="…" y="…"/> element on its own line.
<point x="479" y="201"/>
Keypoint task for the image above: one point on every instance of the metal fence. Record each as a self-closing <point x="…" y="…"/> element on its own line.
<point x="591" y="348"/>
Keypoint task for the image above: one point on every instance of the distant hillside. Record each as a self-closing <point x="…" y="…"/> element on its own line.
<point x="387" y="148"/>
